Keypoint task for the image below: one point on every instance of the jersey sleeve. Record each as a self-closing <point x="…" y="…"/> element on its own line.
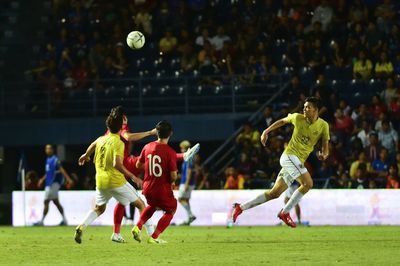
<point x="57" y="164"/>
<point x="172" y="161"/>
<point x="325" y="132"/>
<point x="292" y="118"/>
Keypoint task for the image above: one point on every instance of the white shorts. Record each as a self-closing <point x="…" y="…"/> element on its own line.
<point x="185" y="194"/>
<point x="124" y="194"/>
<point x="51" y="192"/>
<point x="292" y="168"/>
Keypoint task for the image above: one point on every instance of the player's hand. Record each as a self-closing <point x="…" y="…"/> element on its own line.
<point x="321" y="156"/>
<point x="137" y="181"/>
<point x="153" y="132"/>
<point x="83" y="159"/>
<point x="264" y="138"/>
<point x="40" y="183"/>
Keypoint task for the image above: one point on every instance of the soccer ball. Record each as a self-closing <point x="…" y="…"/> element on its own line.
<point x="135" y="40"/>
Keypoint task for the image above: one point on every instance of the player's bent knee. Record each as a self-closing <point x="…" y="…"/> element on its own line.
<point x="100" y="209"/>
<point x="139" y="204"/>
<point x="273" y="194"/>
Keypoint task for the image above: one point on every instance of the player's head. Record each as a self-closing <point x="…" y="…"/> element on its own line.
<point x="164" y="129"/>
<point x="49" y="150"/>
<point x="311" y="107"/>
<point x="114" y="121"/>
<point x="119" y="110"/>
<point x="184" y="145"/>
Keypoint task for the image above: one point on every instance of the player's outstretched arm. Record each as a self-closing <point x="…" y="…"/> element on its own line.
<point x="139" y="135"/>
<point x="120" y="167"/>
<point x="277" y="124"/>
<point x="67" y="176"/>
<point x="89" y="151"/>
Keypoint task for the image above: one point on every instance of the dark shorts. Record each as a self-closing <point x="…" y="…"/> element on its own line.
<point x="130" y="164"/>
<point x="167" y="204"/>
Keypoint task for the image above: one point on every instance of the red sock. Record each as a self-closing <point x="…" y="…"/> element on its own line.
<point x="179" y="157"/>
<point x="145" y="215"/>
<point x="162" y="225"/>
<point x="119" y="211"/>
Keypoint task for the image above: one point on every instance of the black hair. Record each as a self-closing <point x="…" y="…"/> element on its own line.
<point x="164" y="129"/>
<point x="118" y="110"/>
<point x="315" y="101"/>
<point x="114" y="122"/>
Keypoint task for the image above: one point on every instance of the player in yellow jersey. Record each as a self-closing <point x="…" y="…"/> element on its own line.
<point x="110" y="173"/>
<point x="309" y="128"/>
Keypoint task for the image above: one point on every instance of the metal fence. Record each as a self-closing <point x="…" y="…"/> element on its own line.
<point x="140" y="96"/>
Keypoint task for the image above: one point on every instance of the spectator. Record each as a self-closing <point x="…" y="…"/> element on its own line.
<point x="380" y="167"/>
<point x="393" y="180"/>
<point x="203" y="37"/>
<point x="373" y="38"/>
<point x="390" y="93"/>
<point x="233" y="179"/>
<point x="188" y="59"/>
<point x="324" y="14"/>
<point x="343" y="123"/>
<point x="378" y="107"/>
<point x="383" y="68"/>
<point x="249" y="134"/>
<point x="361" y="114"/>
<point x="168" y="44"/>
<point x="143" y="21"/>
<point x="362" y="67"/>
<point x="362" y="159"/>
<point x="385" y="13"/>
<point x="388" y="137"/>
<point x="218" y="40"/>
<point x="268" y="117"/>
<point x="363" y="134"/>
<point x="31" y="180"/>
<point x="360" y="179"/>
<point x="373" y="150"/>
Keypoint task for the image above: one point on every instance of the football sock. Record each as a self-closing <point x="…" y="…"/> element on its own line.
<point x="260" y="199"/>
<point x="186" y="206"/>
<point x="145" y="215"/>
<point x="179" y="157"/>
<point x="90" y="217"/>
<point x="162" y="225"/>
<point x="149" y="227"/>
<point x="119" y="211"/>
<point x="294" y="199"/>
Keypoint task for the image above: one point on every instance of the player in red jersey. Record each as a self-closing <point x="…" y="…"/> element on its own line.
<point x="159" y="161"/>
<point x="130" y="163"/>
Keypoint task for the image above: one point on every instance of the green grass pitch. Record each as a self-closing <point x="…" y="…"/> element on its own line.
<point x="280" y="245"/>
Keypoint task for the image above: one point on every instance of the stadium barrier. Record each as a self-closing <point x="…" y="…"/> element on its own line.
<point x="213" y="207"/>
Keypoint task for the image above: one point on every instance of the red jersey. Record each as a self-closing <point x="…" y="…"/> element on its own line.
<point x="127" y="150"/>
<point x="159" y="161"/>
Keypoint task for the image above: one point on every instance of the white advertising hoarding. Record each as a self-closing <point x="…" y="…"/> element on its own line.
<point x="213" y="207"/>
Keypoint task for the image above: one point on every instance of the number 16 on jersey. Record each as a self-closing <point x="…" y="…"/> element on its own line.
<point x="154" y="165"/>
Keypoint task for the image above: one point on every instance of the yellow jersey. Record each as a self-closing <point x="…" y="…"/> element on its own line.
<point x="305" y="135"/>
<point x="107" y="147"/>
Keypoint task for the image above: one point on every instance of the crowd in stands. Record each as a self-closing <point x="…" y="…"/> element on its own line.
<point x="345" y="52"/>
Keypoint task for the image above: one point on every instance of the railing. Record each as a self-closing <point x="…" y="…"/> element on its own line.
<point x="141" y="96"/>
<point x="224" y="155"/>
